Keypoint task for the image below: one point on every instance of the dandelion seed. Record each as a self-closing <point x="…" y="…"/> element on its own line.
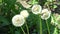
<point x="18" y="20"/>
<point x="45" y="14"/>
<point x="24" y="13"/>
<point x="24" y="3"/>
<point x="36" y="9"/>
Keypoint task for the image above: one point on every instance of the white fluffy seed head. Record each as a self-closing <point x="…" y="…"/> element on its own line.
<point x="24" y="3"/>
<point x="36" y="9"/>
<point x="24" y="13"/>
<point x="18" y="20"/>
<point x="45" y="14"/>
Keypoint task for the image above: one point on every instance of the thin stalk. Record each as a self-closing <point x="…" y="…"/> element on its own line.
<point x="11" y="30"/>
<point x="40" y="26"/>
<point x="23" y="30"/>
<point x="27" y="28"/>
<point x="47" y="27"/>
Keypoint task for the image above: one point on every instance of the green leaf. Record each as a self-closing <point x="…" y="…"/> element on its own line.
<point x="0" y="0"/>
<point x="3" y="21"/>
<point x="54" y="6"/>
<point x="55" y="31"/>
<point x="17" y="32"/>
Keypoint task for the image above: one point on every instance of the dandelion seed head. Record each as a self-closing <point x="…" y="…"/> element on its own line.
<point x="36" y="9"/>
<point x="45" y="14"/>
<point x="24" y="13"/>
<point x="18" y="20"/>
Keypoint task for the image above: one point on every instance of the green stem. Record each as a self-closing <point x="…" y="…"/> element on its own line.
<point x="40" y="26"/>
<point x="11" y="30"/>
<point x="48" y="27"/>
<point x="27" y="28"/>
<point x="23" y="30"/>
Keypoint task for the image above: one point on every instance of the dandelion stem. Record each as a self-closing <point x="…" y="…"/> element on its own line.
<point x="40" y="26"/>
<point x="23" y="30"/>
<point x="11" y="30"/>
<point x="47" y="27"/>
<point x="27" y="28"/>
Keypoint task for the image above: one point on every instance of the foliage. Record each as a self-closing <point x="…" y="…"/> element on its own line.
<point x="8" y="10"/>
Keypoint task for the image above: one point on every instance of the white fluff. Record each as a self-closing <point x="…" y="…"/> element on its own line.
<point x="24" y="3"/>
<point x="24" y="13"/>
<point x="45" y="14"/>
<point x="18" y="20"/>
<point x="36" y="9"/>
